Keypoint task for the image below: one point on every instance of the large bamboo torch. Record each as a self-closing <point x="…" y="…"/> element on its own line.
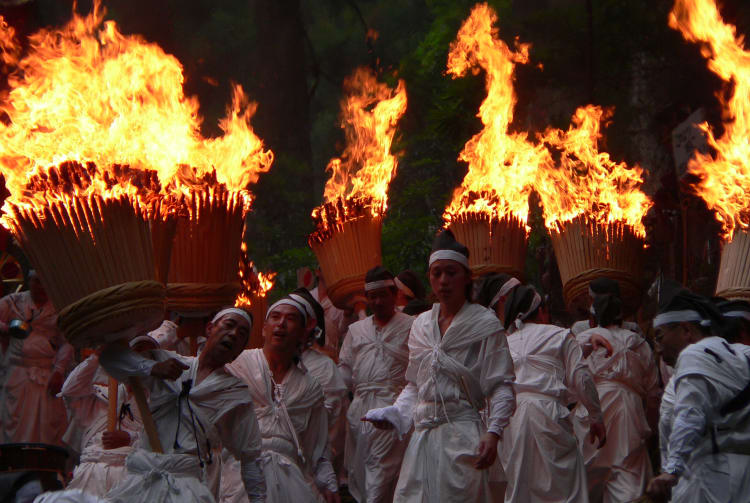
<point x="723" y="175"/>
<point x="346" y="239"/>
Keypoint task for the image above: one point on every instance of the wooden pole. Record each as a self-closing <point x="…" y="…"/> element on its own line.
<point x="148" y="421"/>
<point x="112" y="397"/>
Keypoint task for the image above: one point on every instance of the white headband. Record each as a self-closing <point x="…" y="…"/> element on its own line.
<point x="233" y="310"/>
<point x="143" y="338"/>
<point x="680" y="316"/>
<point x="308" y="307"/>
<point x="449" y="255"/>
<point x="287" y="301"/>
<point x="401" y="286"/>
<point x="374" y="285"/>
<point x="737" y="314"/>
<point x="504" y="290"/>
<point x="535" y="302"/>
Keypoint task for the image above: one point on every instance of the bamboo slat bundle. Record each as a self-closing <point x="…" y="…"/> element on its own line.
<point x="587" y="250"/>
<point x="346" y="255"/>
<point x="494" y="245"/>
<point x="258" y="308"/>
<point x="734" y="270"/>
<point x="206" y="251"/>
<point x="95" y="259"/>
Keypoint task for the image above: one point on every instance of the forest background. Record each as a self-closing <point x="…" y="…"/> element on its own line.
<point x="292" y="57"/>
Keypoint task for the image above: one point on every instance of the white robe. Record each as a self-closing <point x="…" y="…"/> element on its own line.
<point x="294" y="428"/>
<point x="710" y="450"/>
<point x="30" y="413"/>
<point x="540" y="452"/>
<point x="449" y="379"/>
<point x="86" y="397"/>
<point x="620" y="470"/>
<point x="373" y="361"/>
<point x="190" y="419"/>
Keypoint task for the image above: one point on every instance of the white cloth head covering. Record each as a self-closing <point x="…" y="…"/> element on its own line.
<point x="233" y="310"/>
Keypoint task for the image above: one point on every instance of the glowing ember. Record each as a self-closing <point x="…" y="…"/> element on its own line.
<point x="359" y="180"/>
<point x="254" y="284"/>
<point x="502" y="165"/>
<point x="87" y="93"/>
<point x="584" y="182"/>
<point x="724" y="174"/>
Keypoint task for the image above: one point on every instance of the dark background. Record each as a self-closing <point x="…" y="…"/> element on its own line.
<point x="292" y="56"/>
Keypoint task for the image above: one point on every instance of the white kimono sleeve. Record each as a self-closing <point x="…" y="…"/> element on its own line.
<point x="496" y="380"/>
<point x="579" y="378"/>
<point x="346" y="361"/>
<point x="122" y="363"/>
<point x="693" y="397"/>
<point x="79" y="383"/>
<point x="240" y="435"/>
<point x="314" y="444"/>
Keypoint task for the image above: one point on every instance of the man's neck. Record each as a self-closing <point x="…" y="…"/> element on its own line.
<point x="381" y="322"/>
<point x="450" y="309"/>
<point x="279" y="363"/>
<point x="206" y="366"/>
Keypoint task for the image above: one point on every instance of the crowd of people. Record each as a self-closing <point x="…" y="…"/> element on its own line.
<point x="476" y="397"/>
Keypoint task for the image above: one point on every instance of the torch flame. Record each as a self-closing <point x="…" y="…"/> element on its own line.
<point x="502" y="165"/>
<point x="86" y="93"/>
<point x="360" y="177"/>
<point x="724" y="176"/>
<point x="585" y="181"/>
<point x="254" y="284"/>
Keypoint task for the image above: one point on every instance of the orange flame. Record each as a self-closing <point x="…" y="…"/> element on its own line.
<point x="89" y="94"/>
<point x="360" y="178"/>
<point x="724" y="176"/>
<point x="254" y="283"/>
<point x="585" y="181"/>
<point x="502" y="165"/>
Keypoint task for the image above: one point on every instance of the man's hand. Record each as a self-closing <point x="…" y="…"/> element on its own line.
<point x="487" y="451"/>
<point x="661" y="486"/>
<point x="599" y="341"/>
<point x="168" y="369"/>
<point x="331" y="497"/>
<point x="381" y="425"/>
<point x="55" y="383"/>
<point x="115" y="439"/>
<point x="598" y="431"/>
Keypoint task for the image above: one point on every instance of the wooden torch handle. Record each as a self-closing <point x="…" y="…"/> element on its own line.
<point x="148" y="420"/>
<point x="112" y="397"/>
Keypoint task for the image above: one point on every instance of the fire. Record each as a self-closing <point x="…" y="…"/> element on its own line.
<point x="502" y="164"/>
<point x="87" y="95"/>
<point x="582" y="181"/>
<point x="724" y="174"/>
<point x="255" y="284"/>
<point x="359" y="179"/>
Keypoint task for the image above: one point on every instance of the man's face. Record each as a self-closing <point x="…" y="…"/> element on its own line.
<point x="401" y="298"/>
<point x="671" y="339"/>
<point x="227" y="337"/>
<point x="448" y="280"/>
<point x="284" y="330"/>
<point x="382" y="302"/>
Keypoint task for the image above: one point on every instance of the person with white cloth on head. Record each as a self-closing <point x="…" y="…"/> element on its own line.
<point x="195" y="403"/>
<point x="373" y="362"/>
<point x="290" y="407"/>
<point x="494" y="290"/>
<point x="599" y="287"/>
<point x="36" y="369"/>
<point x="707" y="429"/>
<point x="102" y="452"/>
<point x="627" y="379"/>
<point x="540" y="451"/>
<point x="458" y="361"/>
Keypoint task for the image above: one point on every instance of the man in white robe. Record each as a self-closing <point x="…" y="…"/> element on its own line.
<point x="373" y="361"/>
<point x="708" y="444"/>
<point x="458" y="361"/>
<point x="195" y="403"/>
<point x="102" y="452"/>
<point x="626" y="378"/>
<point x="289" y="405"/>
<point x="540" y="451"/>
<point x="36" y="369"/>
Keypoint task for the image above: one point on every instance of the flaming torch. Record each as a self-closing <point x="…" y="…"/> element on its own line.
<point x="593" y="209"/>
<point x="254" y="296"/>
<point x="489" y="210"/>
<point x="346" y="239"/>
<point x="724" y="174"/>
